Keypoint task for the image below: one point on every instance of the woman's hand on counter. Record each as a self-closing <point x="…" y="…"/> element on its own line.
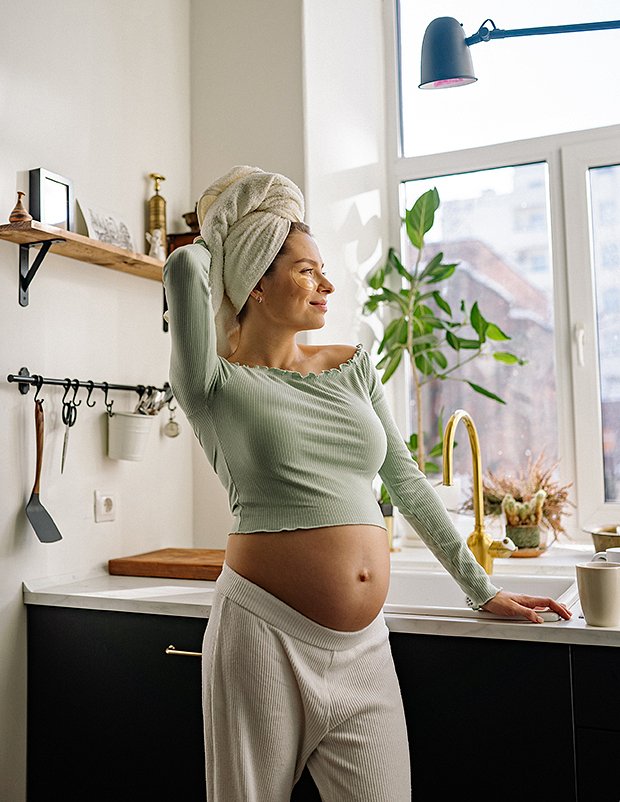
<point x="518" y="605"/>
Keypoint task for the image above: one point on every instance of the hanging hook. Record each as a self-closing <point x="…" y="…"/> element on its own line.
<point x="67" y="385"/>
<point x="76" y="386"/>
<point x="69" y="408"/>
<point x="91" y="387"/>
<point x="108" y="406"/>
<point x="38" y="384"/>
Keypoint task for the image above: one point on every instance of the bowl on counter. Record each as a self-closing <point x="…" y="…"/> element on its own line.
<point x="604" y="537"/>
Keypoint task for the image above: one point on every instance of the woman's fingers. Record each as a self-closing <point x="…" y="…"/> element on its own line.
<point x="551" y="604"/>
<point x="516" y="605"/>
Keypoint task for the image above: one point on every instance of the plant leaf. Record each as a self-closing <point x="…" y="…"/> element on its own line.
<point x="419" y="219"/>
<point x="392" y="365"/>
<point x="442" y="303"/>
<point x="439" y="358"/>
<point x="488" y="393"/>
<point x="395" y="262"/>
<point x="444" y="272"/>
<point x="472" y="345"/>
<point x="453" y="341"/>
<point x="431" y="467"/>
<point x="432" y="265"/>
<point x="506" y="358"/>
<point x="479" y="324"/>
<point x="495" y="333"/>
<point x="388" y="333"/>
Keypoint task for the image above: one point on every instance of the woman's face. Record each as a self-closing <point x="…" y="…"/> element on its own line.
<point x="295" y="291"/>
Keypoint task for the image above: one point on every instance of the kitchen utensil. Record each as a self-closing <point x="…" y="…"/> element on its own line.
<point x="40" y="519"/>
<point x="69" y="416"/>
<point x="171" y="564"/>
<point x="172" y="428"/>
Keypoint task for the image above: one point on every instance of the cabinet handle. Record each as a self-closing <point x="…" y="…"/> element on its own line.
<point x="174" y="651"/>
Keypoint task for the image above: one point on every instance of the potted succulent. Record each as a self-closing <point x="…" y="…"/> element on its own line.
<point x="523" y="519"/>
<point x="531" y="496"/>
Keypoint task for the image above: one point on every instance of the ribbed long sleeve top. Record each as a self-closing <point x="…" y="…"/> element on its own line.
<point x="299" y="451"/>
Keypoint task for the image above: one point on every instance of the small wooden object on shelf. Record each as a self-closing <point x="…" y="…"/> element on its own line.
<point x="19" y="213"/>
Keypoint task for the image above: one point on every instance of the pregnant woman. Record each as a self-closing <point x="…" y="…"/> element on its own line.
<point x="297" y="668"/>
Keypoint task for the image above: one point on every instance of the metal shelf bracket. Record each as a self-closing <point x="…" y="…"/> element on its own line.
<point x="26" y="271"/>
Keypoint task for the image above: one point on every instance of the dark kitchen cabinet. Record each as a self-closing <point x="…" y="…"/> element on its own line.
<point x="111" y="716"/>
<point x="487" y="717"/>
<point x="596" y="680"/>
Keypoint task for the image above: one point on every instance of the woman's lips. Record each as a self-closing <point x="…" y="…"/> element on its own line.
<point x="322" y="306"/>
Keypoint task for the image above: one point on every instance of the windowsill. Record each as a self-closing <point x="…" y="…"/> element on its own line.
<point x="560" y="559"/>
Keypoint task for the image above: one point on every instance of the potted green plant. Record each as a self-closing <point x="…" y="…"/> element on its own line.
<point x="438" y="342"/>
<point x="538" y="477"/>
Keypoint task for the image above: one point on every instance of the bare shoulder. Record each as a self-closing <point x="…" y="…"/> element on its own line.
<point x="330" y="356"/>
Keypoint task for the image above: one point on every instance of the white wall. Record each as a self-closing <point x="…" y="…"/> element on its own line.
<point x="98" y="92"/>
<point x="344" y="132"/>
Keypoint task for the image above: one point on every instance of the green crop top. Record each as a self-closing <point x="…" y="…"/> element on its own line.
<point x="295" y="451"/>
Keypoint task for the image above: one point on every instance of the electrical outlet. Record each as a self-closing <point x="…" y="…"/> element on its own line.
<point x="105" y="506"/>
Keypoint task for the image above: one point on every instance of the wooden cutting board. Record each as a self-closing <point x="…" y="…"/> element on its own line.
<point x="171" y="564"/>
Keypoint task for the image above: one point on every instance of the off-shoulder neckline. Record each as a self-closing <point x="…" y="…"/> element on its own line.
<point x="337" y="369"/>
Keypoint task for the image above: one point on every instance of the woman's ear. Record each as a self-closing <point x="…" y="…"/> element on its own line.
<point x="257" y="291"/>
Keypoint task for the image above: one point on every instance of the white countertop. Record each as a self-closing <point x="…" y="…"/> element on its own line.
<point x="187" y="597"/>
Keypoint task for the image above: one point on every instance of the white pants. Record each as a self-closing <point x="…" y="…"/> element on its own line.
<point x="281" y="691"/>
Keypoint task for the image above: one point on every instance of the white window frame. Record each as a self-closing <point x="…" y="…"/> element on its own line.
<point x="568" y="155"/>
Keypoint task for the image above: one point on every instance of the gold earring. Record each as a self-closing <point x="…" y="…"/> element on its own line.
<point x="260" y="299"/>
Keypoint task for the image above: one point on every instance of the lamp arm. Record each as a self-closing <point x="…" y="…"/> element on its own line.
<point x="484" y="34"/>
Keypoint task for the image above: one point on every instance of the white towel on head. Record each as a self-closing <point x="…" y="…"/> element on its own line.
<point x="244" y="216"/>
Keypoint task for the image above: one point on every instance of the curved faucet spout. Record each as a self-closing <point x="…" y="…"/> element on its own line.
<point x="479" y="542"/>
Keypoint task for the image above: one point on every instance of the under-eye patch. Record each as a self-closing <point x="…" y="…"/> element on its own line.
<point x="305" y="280"/>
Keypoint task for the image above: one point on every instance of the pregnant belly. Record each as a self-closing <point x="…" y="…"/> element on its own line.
<point x="337" y="575"/>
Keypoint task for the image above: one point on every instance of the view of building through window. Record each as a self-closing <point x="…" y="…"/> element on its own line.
<point x="494" y="224"/>
<point x="605" y="231"/>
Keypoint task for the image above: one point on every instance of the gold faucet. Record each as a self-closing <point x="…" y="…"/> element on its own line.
<point x="482" y="546"/>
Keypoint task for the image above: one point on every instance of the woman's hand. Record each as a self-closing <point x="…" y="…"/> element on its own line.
<point x="517" y="605"/>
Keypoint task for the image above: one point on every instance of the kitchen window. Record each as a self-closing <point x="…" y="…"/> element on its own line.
<point x="539" y="199"/>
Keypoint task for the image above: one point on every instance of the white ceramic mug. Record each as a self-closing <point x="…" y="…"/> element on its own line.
<point x="610" y="555"/>
<point x="599" y="592"/>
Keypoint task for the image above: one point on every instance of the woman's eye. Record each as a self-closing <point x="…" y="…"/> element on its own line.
<point x="307" y="270"/>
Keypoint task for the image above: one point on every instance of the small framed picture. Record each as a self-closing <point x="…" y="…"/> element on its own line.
<point x="106" y="226"/>
<point x="51" y="199"/>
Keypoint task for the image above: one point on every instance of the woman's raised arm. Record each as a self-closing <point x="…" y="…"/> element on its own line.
<point x="194" y="364"/>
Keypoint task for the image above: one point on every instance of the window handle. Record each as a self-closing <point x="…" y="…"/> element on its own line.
<point x="580" y="334"/>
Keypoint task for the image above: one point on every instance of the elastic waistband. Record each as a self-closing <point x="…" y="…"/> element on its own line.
<point x="284" y="617"/>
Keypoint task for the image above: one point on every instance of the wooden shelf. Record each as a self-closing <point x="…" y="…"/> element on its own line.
<point x="84" y="249"/>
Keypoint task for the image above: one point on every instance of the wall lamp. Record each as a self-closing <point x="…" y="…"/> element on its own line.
<point x="446" y="60"/>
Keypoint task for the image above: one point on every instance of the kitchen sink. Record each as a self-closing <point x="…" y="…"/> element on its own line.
<point x="437" y="594"/>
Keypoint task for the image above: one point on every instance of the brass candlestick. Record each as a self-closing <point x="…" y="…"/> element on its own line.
<point x="157" y="211"/>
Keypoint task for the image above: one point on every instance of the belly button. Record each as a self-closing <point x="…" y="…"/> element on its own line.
<point x="364" y="575"/>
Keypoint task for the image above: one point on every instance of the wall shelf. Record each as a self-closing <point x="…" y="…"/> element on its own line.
<point x="84" y="249"/>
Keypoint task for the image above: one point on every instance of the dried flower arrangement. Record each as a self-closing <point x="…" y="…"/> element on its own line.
<point x="537" y="475"/>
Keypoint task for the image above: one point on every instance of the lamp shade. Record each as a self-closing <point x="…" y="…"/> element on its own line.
<point x="446" y="60"/>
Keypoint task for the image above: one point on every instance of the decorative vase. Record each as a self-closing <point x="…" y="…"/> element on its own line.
<point x="524" y="537"/>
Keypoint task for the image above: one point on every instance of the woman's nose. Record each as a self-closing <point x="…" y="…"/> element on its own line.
<point x="326" y="285"/>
